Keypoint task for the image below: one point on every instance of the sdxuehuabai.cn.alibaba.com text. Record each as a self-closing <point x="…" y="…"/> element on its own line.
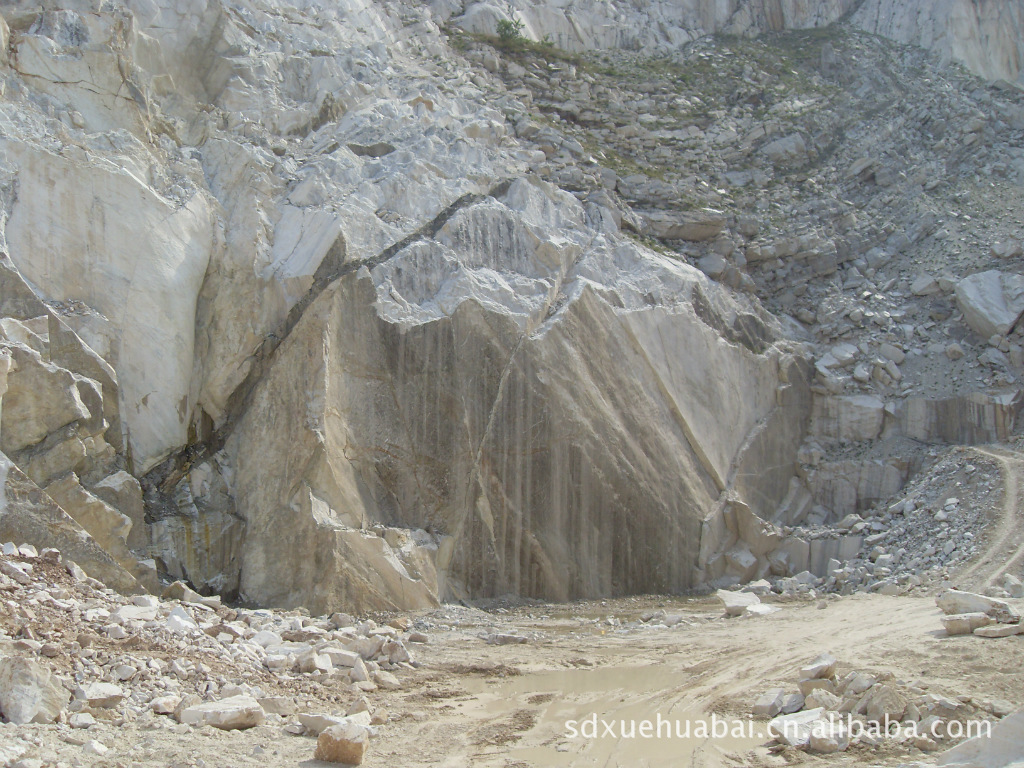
<point x="794" y="731"/>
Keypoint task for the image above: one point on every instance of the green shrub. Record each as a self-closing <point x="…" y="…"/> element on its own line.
<point x="510" y="30"/>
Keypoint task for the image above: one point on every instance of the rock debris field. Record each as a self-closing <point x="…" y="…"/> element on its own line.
<point x="91" y="677"/>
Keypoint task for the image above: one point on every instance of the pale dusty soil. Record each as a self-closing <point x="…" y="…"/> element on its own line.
<point x="486" y="705"/>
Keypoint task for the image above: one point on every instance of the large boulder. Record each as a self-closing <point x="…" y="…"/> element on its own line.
<point x="992" y="301"/>
<point x="1002" y="748"/>
<point x="231" y="714"/>
<point x="955" y="602"/>
<point x="29" y="693"/>
<point x="345" y="743"/>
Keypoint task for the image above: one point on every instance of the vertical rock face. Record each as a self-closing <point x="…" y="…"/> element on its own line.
<point x="71" y="233"/>
<point x="285" y="311"/>
<point x="554" y="411"/>
<point x="986" y="36"/>
<point x="586" y="24"/>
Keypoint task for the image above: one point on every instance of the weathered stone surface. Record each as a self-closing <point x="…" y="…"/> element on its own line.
<point x="992" y="301"/>
<point x="28" y="514"/>
<point x="123" y="492"/>
<point x="488" y="477"/>
<point x="343" y="743"/>
<point x="847" y="487"/>
<point x="965" y="623"/>
<point x="975" y="418"/>
<point x="230" y="714"/>
<point x="5" y="34"/>
<point x="497" y="390"/>
<point x="694" y="226"/>
<point x="788" y="151"/>
<point x="73" y="251"/>
<point x="854" y="417"/>
<point x="1001" y="749"/>
<point x="28" y="692"/>
<point x="737" y="603"/>
<point x="40" y="399"/>
<point x="982" y="36"/>
<point x="953" y="602"/>
<point x="105" y="524"/>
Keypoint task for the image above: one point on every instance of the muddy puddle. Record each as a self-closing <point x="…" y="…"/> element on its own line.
<point x="616" y="715"/>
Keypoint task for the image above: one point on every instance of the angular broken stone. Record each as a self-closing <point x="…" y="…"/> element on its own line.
<point x="341" y="658"/>
<point x="1002" y="748"/>
<point x="311" y="661"/>
<point x="165" y="705"/>
<point x="101" y="695"/>
<point x="822" y="698"/>
<point x="29" y="693"/>
<point x="828" y="737"/>
<point x="769" y="704"/>
<point x="884" y="703"/>
<point x="315" y="724"/>
<point x="965" y="623"/>
<point x="736" y="603"/>
<point x="824" y="666"/>
<point x="792" y="702"/>
<point x="795" y="730"/>
<point x="991" y="301"/>
<point x="345" y="742"/>
<point x="277" y="705"/>
<point x="954" y="601"/>
<point x="855" y="683"/>
<point x="180" y="623"/>
<point x="809" y="685"/>
<point x="20" y="572"/>
<point x="694" y="226"/>
<point x="386" y="680"/>
<point x="1000" y="630"/>
<point x="230" y="714"/>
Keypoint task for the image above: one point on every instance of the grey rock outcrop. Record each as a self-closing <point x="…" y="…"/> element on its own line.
<point x="330" y="316"/>
<point x="985" y="37"/>
<point x="502" y="443"/>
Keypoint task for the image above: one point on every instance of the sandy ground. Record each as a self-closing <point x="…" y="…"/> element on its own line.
<point x="474" y="703"/>
<point x="514" y="713"/>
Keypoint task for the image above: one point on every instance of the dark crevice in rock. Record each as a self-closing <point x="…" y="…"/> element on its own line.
<point x="746" y="329"/>
<point x="159" y="483"/>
